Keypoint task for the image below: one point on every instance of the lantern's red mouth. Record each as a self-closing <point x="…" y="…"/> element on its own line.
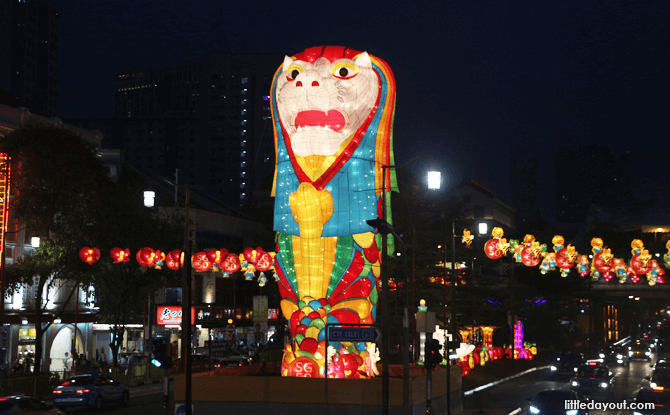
<point x="334" y="120"/>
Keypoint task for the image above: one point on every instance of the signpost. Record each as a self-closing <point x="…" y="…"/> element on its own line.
<point x="341" y="332"/>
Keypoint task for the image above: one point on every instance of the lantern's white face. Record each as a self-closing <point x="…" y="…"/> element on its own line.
<point x="321" y="105"/>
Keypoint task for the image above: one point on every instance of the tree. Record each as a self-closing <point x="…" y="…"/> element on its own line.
<point x="58" y="180"/>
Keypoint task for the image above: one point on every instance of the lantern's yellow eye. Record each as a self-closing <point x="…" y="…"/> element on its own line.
<point x="293" y="71"/>
<point x="344" y="70"/>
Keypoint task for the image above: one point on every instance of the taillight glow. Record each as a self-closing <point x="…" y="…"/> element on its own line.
<point x="57" y="392"/>
<point x="659" y="389"/>
<point x="593" y="363"/>
<point x="83" y="391"/>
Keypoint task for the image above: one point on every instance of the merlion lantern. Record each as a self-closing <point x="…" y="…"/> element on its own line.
<point x="332" y="111"/>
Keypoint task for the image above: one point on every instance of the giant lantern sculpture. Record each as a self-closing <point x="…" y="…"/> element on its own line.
<point x="332" y="109"/>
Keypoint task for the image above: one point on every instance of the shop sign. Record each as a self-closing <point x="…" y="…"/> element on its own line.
<point x="273" y="313"/>
<point x="170" y="314"/>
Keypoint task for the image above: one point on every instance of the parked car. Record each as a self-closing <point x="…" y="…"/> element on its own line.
<point x="26" y="405"/>
<point x="593" y="378"/>
<point x="93" y="390"/>
<point x="566" y="364"/>
<point x="553" y="402"/>
<point x="659" y="380"/>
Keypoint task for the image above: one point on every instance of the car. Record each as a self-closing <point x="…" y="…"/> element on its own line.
<point x="566" y="364"/>
<point x="557" y="402"/>
<point x="639" y="349"/>
<point x="593" y="378"/>
<point x="199" y="363"/>
<point x="92" y="390"/>
<point x="659" y="380"/>
<point x="660" y="365"/>
<point x="231" y="357"/>
<point x="657" y="403"/>
<point x="615" y="355"/>
<point x="19" y="404"/>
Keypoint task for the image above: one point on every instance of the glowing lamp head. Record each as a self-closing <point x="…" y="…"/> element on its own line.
<point x="434" y="180"/>
<point x="149" y="197"/>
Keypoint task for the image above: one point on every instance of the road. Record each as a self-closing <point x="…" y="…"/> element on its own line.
<point x="508" y="396"/>
<point x="144" y="400"/>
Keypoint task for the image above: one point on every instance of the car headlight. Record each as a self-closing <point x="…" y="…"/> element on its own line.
<point x="602" y="355"/>
<point x="534" y="410"/>
<point x="619" y="361"/>
<point x="630" y="353"/>
<point x="653" y="385"/>
<point x="575" y="369"/>
<point x="637" y="413"/>
<point x="554" y="368"/>
<point x="619" y="356"/>
<point x="571" y="412"/>
<point x="647" y="353"/>
<point x="603" y="385"/>
<point x="575" y="383"/>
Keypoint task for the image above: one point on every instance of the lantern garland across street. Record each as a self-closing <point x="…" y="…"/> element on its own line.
<point x="601" y="266"/>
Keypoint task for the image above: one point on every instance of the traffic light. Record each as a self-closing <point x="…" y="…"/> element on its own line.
<point x="158" y="349"/>
<point x="433" y="356"/>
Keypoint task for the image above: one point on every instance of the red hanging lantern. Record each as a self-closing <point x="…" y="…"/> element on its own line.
<point x="172" y="259"/>
<point x="603" y="262"/>
<point x="201" y="262"/>
<point x="120" y="255"/>
<point x="641" y="263"/>
<point x="491" y="249"/>
<point x="251" y="254"/>
<point x="528" y="257"/>
<point x="231" y="263"/>
<point x="89" y="255"/>
<point x="146" y="257"/>
<point x="564" y="259"/>
<point x="264" y="262"/>
<point x="216" y="256"/>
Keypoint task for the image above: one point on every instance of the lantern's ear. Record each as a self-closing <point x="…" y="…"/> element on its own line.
<point x="287" y="62"/>
<point x="363" y="60"/>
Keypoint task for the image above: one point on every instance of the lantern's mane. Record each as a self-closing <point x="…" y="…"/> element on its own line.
<point x="384" y="142"/>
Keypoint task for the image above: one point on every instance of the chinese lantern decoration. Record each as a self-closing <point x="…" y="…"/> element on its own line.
<point x="174" y="259"/>
<point x="159" y="259"/>
<point x="584" y="266"/>
<point x="467" y="238"/>
<point x="604" y="264"/>
<point x="89" y="255"/>
<point x="146" y="257"/>
<point x="666" y="257"/>
<point x="656" y="274"/>
<point x="619" y="269"/>
<point x="531" y="254"/>
<point x="230" y="264"/>
<point x="120" y="255"/>
<point x="496" y="247"/>
<point x="566" y="258"/>
<point x="641" y="263"/>
<point x="216" y="257"/>
<point x="201" y="262"/>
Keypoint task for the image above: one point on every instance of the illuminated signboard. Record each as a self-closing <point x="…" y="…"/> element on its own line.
<point x="171" y="314"/>
<point x="4" y="200"/>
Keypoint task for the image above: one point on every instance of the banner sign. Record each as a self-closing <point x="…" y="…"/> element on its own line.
<point x="171" y="314"/>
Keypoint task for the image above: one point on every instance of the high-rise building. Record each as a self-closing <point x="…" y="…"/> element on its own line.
<point x="210" y="120"/>
<point x="29" y="53"/>
<point x="590" y="174"/>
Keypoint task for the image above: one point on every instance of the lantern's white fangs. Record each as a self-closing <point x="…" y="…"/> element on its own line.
<point x="321" y="105"/>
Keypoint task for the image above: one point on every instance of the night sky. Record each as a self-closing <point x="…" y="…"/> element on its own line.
<point x="479" y="84"/>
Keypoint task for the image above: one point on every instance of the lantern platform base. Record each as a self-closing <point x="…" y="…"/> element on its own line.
<point x="290" y="395"/>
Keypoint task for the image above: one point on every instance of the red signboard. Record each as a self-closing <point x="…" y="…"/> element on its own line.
<point x="171" y="314"/>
